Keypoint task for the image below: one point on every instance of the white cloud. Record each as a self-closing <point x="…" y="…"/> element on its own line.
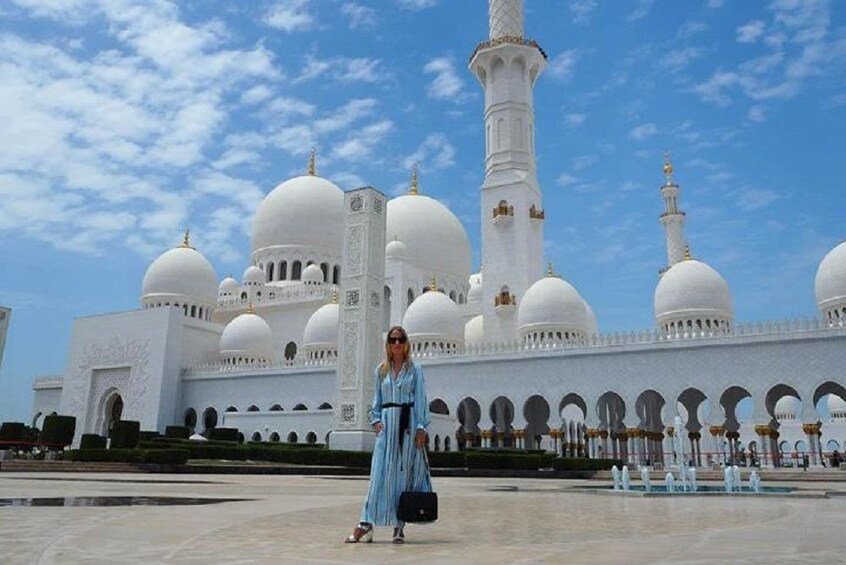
<point x="416" y="4"/>
<point x="690" y="28"/>
<point x="566" y="179"/>
<point x="584" y="161"/>
<point x="436" y="152"/>
<point x="641" y="10"/>
<point x="712" y="90"/>
<point x="342" y="69"/>
<point x="754" y="199"/>
<point x="256" y="94"/>
<point x="756" y="114"/>
<point x="447" y="85"/>
<point x="679" y="59"/>
<point x="361" y="17"/>
<point x="582" y="10"/>
<point x="290" y="16"/>
<point x="360" y="144"/>
<point x="574" y="120"/>
<point x="643" y="131"/>
<point x="562" y="66"/>
<point x="346" y="115"/>
<point x="715" y="3"/>
<point x="750" y="32"/>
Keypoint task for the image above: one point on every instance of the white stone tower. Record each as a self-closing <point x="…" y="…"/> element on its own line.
<point x="360" y="342"/>
<point x="673" y="218"/>
<point x="507" y="66"/>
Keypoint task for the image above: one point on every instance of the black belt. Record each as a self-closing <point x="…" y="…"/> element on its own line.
<point x="405" y="417"/>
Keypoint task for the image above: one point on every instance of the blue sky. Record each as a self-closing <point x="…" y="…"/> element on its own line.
<point x="126" y="122"/>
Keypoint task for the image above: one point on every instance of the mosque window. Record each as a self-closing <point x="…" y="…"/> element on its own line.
<point x="283" y="270"/>
<point x="290" y="351"/>
<point x="256" y="437"/>
<point x="253" y="408"/>
<point x="461" y="299"/>
<point x="243" y="295"/>
<point x="296" y="271"/>
<point x="325" y="406"/>
<point x="311" y="438"/>
<point x="452" y="295"/>
<point x="300" y="407"/>
<point x="231" y="409"/>
<point x="276" y="408"/>
<point x="210" y="418"/>
<point x="336" y="274"/>
<point x="325" y="268"/>
<point x="185" y="309"/>
<point x="190" y="419"/>
<point x="270" y="271"/>
<point x="274" y="437"/>
<point x="410" y="297"/>
<point x="536" y="213"/>
<point x="292" y="437"/>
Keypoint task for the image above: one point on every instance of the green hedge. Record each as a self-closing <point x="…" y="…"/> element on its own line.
<point x="58" y="431"/>
<point x="447" y="459"/>
<point x="177" y="432"/>
<point x="124" y="434"/>
<point x="147" y="435"/>
<point x="584" y="464"/>
<point x="161" y="456"/>
<point x="92" y="441"/>
<point x="224" y="434"/>
<point x="505" y="460"/>
<point x="12" y="435"/>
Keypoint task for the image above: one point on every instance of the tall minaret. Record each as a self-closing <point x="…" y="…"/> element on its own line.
<point x="673" y="218"/>
<point x="507" y="66"/>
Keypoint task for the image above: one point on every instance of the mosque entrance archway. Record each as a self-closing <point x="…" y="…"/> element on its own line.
<point x="469" y="413"/>
<point x="611" y="411"/>
<point x="109" y="411"/>
<point x="502" y="415"/>
<point x="536" y="413"/>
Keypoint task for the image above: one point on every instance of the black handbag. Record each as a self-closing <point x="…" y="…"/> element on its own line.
<point x="417" y="507"/>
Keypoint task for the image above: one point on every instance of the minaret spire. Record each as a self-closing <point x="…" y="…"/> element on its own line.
<point x="507" y="66"/>
<point x="673" y="218"/>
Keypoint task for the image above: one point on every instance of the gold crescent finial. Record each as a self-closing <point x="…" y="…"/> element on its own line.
<point x="687" y="256"/>
<point x="434" y="284"/>
<point x="186" y="239"/>
<point x="334" y="296"/>
<point x="549" y="271"/>
<point x="415" y="188"/>
<point x="668" y="167"/>
<point x="312" y="162"/>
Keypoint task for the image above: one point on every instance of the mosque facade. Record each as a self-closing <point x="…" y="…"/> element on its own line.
<point x="513" y="355"/>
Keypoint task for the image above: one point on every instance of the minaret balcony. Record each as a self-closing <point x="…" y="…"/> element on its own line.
<point x="505" y="302"/>
<point x="536" y="214"/>
<point x="503" y="214"/>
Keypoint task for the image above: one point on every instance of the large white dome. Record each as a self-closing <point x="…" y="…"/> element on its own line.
<point x="182" y="271"/>
<point x="321" y="331"/>
<point x="552" y="303"/>
<point x="435" y="239"/>
<point x="306" y="210"/>
<point x="312" y="274"/>
<point x="836" y="405"/>
<point x="248" y="336"/>
<point x="785" y="408"/>
<point x="253" y="276"/>
<point x="691" y="289"/>
<point x="434" y="315"/>
<point x="830" y="283"/>
<point x="228" y="287"/>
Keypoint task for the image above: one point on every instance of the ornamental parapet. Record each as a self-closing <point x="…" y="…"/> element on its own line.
<point x="40" y="383"/>
<point x="508" y="39"/>
<point x="273" y="295"/>
<point x="222" y="367"/>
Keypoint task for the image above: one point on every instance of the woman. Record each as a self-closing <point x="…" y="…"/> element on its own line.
<point x="399" y="416"/>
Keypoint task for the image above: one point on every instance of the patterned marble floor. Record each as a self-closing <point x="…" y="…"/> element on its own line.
<point x="303" y="520"/>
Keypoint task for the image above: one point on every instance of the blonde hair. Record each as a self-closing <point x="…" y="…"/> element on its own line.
<point x="406" y="350"/>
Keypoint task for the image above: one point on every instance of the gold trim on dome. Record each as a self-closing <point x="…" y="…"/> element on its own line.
<point x="415" y="186"/>
<point x="312" y="162"/>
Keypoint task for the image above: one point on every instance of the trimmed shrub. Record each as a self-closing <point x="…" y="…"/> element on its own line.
<point x="224" y="434"/>
<point x="92" y="441"/>
<point x="12" y="435"/>
<point x="506" y="460"/>
<point x="148" y="435"/>
<point x="165" y="456"/>
<point x="178" y="432"/>
<point x="450" y="459"/>
<point x="584" y="464"/>
<point x="125" y="434"/>
<point x="58" y="431"/>
<point x="160" y="456"/>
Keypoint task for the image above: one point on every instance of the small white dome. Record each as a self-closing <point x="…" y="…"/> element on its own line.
<point x="552" y="304"/>
<point x="435" y="239"/>
<point x="836" y="405"/>
<point x="475" y="278"/>
<point x="247" y="336"/>
<point x="181" y="271"/>
<point x="692" y="289"/>
<point x="786" y="407"/>
<point x="253" y="276"/>
<point x="433" y="315"/>
<point x="830" y="282"/>
<point x="321" y="331"/>
<point x="306" y="210"/>
<point x="474" y="295"/>
<point x="396" y="251"/>
<point x="313" y="274"/>
<point x="228" y="287"/>
<point x="474" y="330"/>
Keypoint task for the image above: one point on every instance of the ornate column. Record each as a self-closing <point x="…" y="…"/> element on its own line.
<point x="633" y="435"/>
<point x="763" y="433"/>
<point x="486" y="438"/>
<point x="556" y="438"/>
<point x="360" y="324"/>
<point x="718" y="432"/>
<point x="695" y="448"/>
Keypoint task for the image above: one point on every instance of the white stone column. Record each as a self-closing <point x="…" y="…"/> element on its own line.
<point x="360" y="332"/>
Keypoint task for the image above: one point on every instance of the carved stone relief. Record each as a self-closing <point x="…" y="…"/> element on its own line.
<point x="350" y="351"/>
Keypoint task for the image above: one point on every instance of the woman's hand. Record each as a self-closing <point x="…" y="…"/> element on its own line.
<point x="420" y="439"/>
<point x="378" y="426"/>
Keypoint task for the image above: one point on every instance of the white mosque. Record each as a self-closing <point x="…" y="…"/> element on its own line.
<point x="513" y="355"/>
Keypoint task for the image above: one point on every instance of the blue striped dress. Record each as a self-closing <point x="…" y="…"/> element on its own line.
<point x="391" y="465"/>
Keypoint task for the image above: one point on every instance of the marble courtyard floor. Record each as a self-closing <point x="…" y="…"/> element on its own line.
<point x="298" y="519"/>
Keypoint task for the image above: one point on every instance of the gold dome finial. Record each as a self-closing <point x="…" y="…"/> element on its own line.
<point x="415" y="188"/>
<point x="549" y="271"/>
<point x="668" y="167"/>
<point x="687" y="256"/>
<point x="312" y="162"/>
<point x="250" y="308"/>
<point x="186" y="239"/>
<point x="434" y="284"/>
<point x="334" y="296"/>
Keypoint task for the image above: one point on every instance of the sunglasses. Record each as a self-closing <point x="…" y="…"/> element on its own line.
<point x="393" y="340"/>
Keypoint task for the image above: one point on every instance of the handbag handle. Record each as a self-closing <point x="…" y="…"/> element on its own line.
<point x="425" y="460"/>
